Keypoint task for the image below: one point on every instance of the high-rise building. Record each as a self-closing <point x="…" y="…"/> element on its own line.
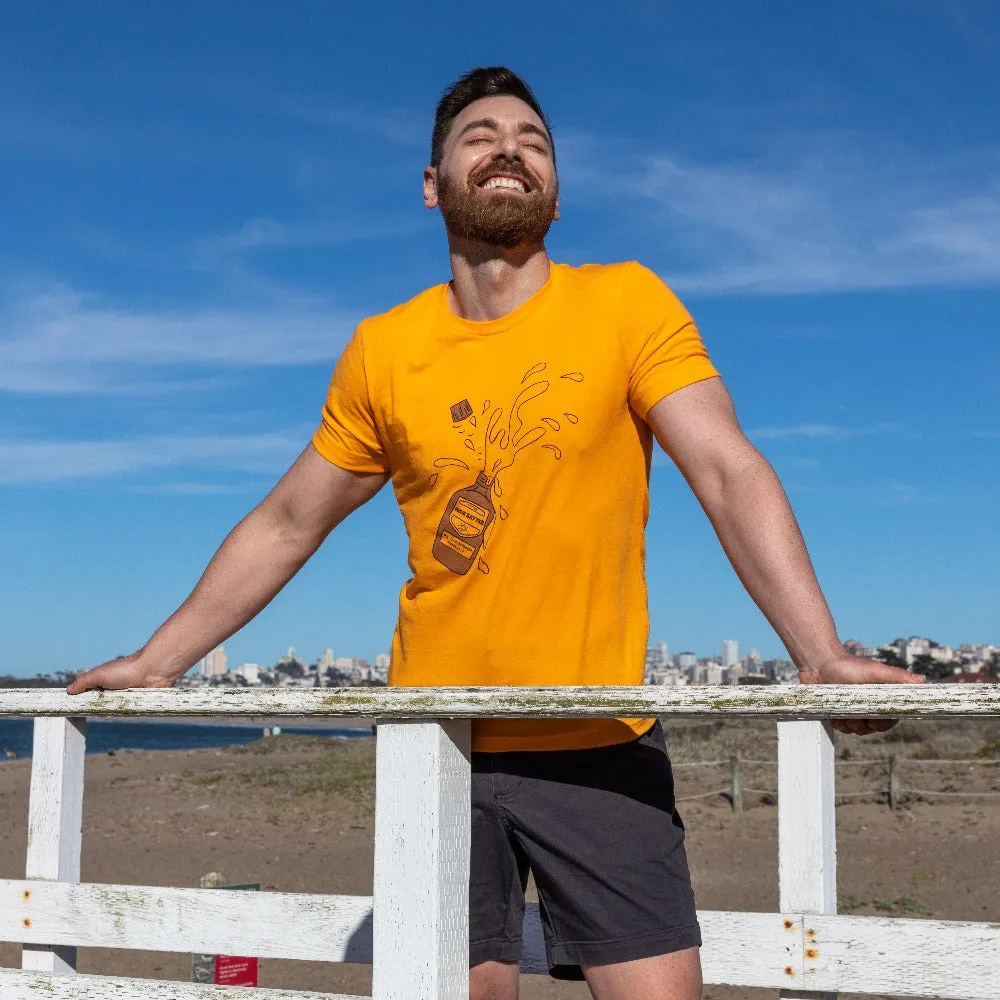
<point x="730" y="652"/>
<point x="327" y="659"/>
<point x="214" y="663"/>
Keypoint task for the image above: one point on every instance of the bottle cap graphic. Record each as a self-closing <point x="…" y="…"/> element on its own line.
<point x="460" y="411"/>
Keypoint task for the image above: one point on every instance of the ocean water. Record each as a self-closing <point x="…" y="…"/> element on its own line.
<point x="110" y="734"/>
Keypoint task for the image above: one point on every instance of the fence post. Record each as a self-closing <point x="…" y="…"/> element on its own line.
<point x="894" y="784"/>
<point x="55" y="822"/>
<point x="807" y="835"/>
<point x="736" y="781"/>
<point x="420" y="936"/>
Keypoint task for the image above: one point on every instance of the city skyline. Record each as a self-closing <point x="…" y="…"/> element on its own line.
<point x="730" y="650"/>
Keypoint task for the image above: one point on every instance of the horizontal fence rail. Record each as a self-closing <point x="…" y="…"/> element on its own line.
<point x="17" y="985"/>
<point x="414" y="928"/>
<point x="779" y="701"/>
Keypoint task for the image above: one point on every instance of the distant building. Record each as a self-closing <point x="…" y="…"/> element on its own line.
<point x="250" y="672"/>
<point x="687" y="660"/>
<point x="910" y="649"/>
<point x="214" y="664"/>
<point x="326" y="660"/>
<point x="656" y="658"/>
<point x="730" y="652"/>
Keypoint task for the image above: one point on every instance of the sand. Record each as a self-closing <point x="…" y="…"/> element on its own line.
<point x="295" y="814"/>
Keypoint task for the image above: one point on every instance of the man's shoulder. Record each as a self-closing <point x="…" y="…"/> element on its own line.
<point x="424" y="303"/>
<point x="613" y="274"/>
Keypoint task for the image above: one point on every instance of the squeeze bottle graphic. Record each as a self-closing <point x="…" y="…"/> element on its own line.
<point x="462" y="529"/>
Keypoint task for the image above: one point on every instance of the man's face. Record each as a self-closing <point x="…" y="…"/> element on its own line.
<point x="496" y="183"/>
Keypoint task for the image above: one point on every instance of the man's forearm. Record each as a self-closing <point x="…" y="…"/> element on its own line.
<point x="754" y="521"/>
<point x="259" y="556"/>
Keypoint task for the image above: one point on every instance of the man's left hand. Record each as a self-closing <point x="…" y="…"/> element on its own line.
<point x="849" y="669"/>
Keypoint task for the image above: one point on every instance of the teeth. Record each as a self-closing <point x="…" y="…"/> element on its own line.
<point x="505" y="182"/>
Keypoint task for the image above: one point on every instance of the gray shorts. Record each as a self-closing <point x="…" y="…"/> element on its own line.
<point x="600" y="833"/>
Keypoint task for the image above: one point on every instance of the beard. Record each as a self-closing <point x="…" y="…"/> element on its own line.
<point x="499" y="217"/>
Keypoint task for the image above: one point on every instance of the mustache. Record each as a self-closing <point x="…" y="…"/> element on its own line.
<point x="511" y="168"/>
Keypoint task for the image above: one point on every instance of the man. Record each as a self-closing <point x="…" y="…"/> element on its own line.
<point x="514" y="410"/>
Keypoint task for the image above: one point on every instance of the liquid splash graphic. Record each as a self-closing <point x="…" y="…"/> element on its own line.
<point x="470" y="514"/>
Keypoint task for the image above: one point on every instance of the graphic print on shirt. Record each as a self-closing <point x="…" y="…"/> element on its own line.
<point x="495" y="439"/>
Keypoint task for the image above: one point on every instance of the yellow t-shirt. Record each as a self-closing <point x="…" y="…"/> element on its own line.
<point x="520" y="460"/>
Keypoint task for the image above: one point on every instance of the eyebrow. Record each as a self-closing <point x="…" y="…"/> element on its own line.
<point x="523" y="128"/>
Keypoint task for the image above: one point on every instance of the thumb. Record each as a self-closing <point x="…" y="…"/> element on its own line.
<point x="882" y="673"/>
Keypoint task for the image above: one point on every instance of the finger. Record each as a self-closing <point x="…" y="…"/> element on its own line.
<point x="85" y="682"/>
<point x="882" y="673"/>
<point x="99" y="677"/>
<point x="881" y="725"/>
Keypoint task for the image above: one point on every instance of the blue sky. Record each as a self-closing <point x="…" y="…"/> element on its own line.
<point x="201" y="200"/>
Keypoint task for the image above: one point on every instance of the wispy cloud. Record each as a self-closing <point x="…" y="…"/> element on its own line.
<point x="893" y="493"/>
<point x="825" y="432"/>
<point x="61" y="341"/>
<point x="829" y="216"/>
<point x="39" y="462"/>
<point x="273" y="234"/>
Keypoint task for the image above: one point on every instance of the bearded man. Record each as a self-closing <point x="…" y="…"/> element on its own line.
<point x="514" y="409"/>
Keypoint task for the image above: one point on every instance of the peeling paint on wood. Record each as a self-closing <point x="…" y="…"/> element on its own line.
<point x="780" y="701"/>
<point x="322" y="928"/>
<point x="17" y="985"/>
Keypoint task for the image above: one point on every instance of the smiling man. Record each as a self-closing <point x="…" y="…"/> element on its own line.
<point x="514" y="409"/>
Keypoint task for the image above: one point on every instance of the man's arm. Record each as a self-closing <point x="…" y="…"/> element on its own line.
<point x="745" y="502"/>
<point x="259" y="556"/>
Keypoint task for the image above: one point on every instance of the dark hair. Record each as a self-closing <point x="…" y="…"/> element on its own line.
<point x="483" y="81"/>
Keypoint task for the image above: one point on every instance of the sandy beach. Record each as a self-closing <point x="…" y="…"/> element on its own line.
<point x="296" y="814"/>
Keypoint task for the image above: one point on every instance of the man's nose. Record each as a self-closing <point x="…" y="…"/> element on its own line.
<point x="508" y="146"/>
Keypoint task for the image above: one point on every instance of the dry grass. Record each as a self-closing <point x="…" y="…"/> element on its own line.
<point x="299" y="768"/>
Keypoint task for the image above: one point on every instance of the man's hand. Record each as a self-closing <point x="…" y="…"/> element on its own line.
<point x="849" y="669"/>
<point x="125" y="672"/>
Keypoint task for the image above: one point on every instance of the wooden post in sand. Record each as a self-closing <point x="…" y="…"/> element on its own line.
<point x="736" y="782"/>
<point x="420" y="934"/>
<point x="895" y="789"/>
<point x="807" y="838"/>
<point x="55" y="822"/>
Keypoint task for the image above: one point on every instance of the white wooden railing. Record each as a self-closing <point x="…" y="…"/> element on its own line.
<point x="415" y="928"/>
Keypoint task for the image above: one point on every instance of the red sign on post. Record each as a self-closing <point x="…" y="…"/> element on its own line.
<point x="224" y="970"/>
<point x="231" y="970"/>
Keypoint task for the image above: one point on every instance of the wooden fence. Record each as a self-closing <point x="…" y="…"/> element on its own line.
<point x="415" y="927"/>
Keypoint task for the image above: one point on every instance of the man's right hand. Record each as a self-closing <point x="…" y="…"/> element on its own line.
<point x="125" y="672"/>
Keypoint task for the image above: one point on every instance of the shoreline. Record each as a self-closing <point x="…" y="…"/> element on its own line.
<point x="251" y="721"/>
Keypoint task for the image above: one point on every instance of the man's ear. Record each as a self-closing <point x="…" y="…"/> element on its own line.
<point x="555" y="214"/>
<point x="430" y="187"/>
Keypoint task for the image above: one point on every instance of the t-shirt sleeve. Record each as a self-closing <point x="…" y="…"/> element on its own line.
<point x="664" y="350"/>
<point x="348" y="434"/>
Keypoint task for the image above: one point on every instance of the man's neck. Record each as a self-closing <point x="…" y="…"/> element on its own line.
<point x="490" y="282"/>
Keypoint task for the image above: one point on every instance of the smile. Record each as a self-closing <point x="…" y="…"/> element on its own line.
<point x="507" y="183"/>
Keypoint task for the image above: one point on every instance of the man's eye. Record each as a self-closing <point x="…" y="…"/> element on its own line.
<point x="479" y="140"/>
